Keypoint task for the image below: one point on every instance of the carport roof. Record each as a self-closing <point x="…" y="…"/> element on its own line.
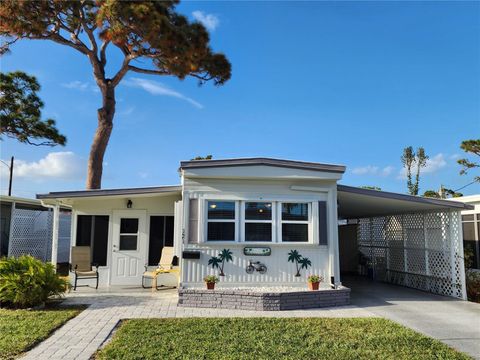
<point x="354" y="202"/>
<point x="111" y="192"/>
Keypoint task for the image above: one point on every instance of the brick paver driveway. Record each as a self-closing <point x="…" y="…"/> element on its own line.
<point x="80" y="337"/>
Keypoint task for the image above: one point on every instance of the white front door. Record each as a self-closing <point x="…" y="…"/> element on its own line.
<point x="129" y="247"/>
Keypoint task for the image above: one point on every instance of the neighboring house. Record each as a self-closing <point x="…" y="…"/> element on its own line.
<point x="261" y="204"/>
<point x="471" y="227"/>
<point x="26" y="228"/>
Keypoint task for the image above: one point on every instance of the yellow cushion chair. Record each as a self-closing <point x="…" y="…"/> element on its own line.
<point x="164" y="267"/>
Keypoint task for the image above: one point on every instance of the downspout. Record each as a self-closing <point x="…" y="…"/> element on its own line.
<point x="56" y="219"/>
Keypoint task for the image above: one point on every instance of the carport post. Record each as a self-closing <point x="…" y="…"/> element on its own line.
<point x="334" y="235"/>
<point x="56" y="219"/>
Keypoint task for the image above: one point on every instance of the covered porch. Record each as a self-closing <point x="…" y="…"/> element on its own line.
<point x="122" y="230"/>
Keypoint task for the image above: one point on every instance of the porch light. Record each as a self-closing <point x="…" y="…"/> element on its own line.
<point x="129" y="204"/>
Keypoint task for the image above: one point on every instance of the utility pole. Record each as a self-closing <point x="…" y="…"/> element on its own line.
<point x="11" y="177"/>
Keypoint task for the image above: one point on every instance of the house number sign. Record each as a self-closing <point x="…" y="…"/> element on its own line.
<point x="257" y="251"/>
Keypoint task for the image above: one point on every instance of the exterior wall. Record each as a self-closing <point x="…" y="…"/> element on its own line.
<point x="471" y="227"/>
<point x="153" y="205"/>
<point x="280" y="271"/>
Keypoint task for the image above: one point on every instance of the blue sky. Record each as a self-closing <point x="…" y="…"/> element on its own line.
<point x="347" y="82"/>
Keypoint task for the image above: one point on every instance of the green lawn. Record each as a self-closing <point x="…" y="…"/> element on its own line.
<point x="20" y="330"/>
<point x="271" y="338"/>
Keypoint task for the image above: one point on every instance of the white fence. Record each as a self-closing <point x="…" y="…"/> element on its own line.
<point x="422" y="251"/>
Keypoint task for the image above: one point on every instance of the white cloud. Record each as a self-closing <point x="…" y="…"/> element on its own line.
<point x="433" y="165"/>
<point x="210" y="21"/>
<point x="364" y="170"/>
<point x="373" y="170"/>
<point x="454" y="156"/>
<point x="127" y="111"/>
<point x="77" y="85"/>
<point x="81" y="86"/>
<point x="56" y="165"/>
<point x="387" y="170"/>
<point x="143" y="174"/>
<point x="157" y="88"/>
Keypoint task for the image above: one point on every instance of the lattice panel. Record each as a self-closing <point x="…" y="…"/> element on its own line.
<point x="31" y="233"/>
<point x="420" y="250"/>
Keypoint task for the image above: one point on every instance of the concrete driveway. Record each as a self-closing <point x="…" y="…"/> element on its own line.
<point x="454" y="322"/>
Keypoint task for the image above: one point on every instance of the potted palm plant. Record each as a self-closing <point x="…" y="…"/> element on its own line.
<point x="314" y="282"/>
<point x="210" y="280"/>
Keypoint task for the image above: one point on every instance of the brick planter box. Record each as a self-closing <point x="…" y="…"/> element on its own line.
<point x="266" y="301"/>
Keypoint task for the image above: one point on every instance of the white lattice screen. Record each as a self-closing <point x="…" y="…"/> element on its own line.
<point x="421" y="250"/>
<point x="31" y="233"/>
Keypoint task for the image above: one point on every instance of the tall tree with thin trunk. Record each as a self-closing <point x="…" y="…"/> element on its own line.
<point x="152" y="37"/>
<point x="413" y="163"/>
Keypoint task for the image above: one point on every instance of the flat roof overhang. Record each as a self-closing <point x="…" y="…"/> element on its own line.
<point x="354" y="202"/>
<point x="101" y="193"/>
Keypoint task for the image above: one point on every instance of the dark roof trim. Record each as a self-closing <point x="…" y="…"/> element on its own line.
<point x="109" y="192"/>
<point x="405" y="197"/>
<point x="199" y="164"/>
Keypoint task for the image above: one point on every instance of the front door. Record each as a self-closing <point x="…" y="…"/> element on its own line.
<point x="129" y="247"/>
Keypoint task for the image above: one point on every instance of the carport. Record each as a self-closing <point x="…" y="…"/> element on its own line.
<point x="401" y="239"/>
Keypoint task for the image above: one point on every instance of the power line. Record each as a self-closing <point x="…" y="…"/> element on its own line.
<point x="463" y="187"/>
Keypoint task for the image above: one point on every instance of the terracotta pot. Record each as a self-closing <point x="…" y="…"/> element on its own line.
<point x="210" y="286"/>
<point x="313" y="286"/>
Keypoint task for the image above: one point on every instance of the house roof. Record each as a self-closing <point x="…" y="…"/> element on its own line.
<point x="111" y="192"/>
<point x="354" y="202"/>
<point x="199" y="164"/>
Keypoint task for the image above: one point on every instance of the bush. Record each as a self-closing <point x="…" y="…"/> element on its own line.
<point x="473" y="284"/>
<point x="26" y="282"/>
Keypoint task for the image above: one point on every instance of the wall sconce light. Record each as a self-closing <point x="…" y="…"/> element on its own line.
<point x="129" y="204"/>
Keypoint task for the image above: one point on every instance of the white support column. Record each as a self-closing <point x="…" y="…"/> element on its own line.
<point x="56" y="220"/>
<point x="457" y="252"/>
<point x="333" y="238"/>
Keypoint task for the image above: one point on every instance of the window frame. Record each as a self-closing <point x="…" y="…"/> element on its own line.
<point x="308" y="222"/>
<point x="244" y="221"/>
<point x="74" y="230"/>
<point x="128" y="234"/>
<point x="240" y="221"/>
<point x="207" y="221"/>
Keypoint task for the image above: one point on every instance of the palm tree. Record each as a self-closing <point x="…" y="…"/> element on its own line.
<point x="305" y="263"/>
<point x="214" y="261"/>
<point x="295" y="257"/>
<point x="225" y="255"/>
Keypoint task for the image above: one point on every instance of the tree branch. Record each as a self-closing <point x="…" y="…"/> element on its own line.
<point x="89" y="32"/>
<point x="103" y="49"/>
<point x="147" y="71"/>
<point x="123" y="70"/>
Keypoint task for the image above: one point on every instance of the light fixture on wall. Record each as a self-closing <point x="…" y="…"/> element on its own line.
<point x="129" y="204"/>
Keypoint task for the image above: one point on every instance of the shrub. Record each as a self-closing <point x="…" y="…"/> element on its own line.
<point x="473" y="284"/>
<point x="27" y="282"/>
<point x="314" y="279"/>
<point x="211" y="279"/>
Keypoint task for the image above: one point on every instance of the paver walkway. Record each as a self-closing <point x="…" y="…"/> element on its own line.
<point x="80" y="337"/>
<point x="454" y="322"/>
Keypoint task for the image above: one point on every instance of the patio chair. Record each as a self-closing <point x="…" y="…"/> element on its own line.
<point x="82" y="266"/>
<point x="164" y="267"/>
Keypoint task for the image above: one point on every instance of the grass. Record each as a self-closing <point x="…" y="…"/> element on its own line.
<point x="22" y="329"/>
<point x="271" y="338"/>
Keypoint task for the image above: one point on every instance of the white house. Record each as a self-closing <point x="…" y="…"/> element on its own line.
<point x="261" y="209"/>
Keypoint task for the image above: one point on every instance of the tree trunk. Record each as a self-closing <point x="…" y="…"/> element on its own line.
<point x="101" y="138"/>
